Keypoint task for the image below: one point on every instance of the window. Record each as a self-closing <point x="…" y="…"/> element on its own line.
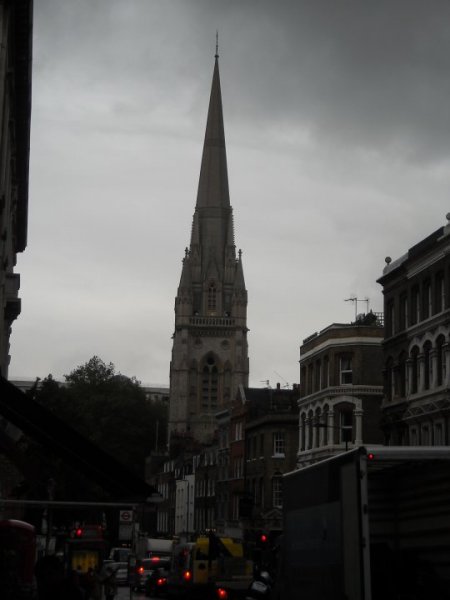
<point x="277" y="495"/>
<point x="413" y="436"/>
<point x="440" y="363"/>
<point x="278" y="443"/>
<point x="310" y="379"/>
<point x="318" y="375"/>
<point x="426" y="298"/>
<point x="438" y="434"/>
<point x="427" y="365"/>
<point x="390" y="320"/>
<point x="346" y="373"/>
<point x="210" y="377"/>
<point x="414" y="370"/>
<point x="212" y="297"/>
<point x="415" y="305"/>
<point x="302" y="431"/>
<point x="403" y="311"/>
<point x="402" y="374"/>
<point x="326" y="372"/>
<point x="439" y="292"/>
<point x="346" y="426"/>
<point x="389" y="379"/>
<point x="425" y="435"/>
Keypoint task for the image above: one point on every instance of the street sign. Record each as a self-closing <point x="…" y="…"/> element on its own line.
<point x="126" y="516"/>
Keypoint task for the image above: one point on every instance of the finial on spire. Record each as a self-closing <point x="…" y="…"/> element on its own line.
<point x="217" y="44"/>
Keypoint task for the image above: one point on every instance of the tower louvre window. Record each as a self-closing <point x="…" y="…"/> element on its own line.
<point x="212" y="298"/>
<point x="210" y="379"/>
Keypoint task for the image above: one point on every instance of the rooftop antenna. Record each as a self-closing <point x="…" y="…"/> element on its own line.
<point x="281" y="377"/>
<point x="356" y="300"/>
<point x="217" y="44"/>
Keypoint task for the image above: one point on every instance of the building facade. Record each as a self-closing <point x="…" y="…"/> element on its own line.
<point x="341" y="389"/>
<point x="416" y="289"/>
<point x="16" y="19"/>
<point x="271" y="434"/>
<point x="210" y="352"/>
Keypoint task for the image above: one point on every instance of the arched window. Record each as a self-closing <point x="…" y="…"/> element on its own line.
<point x="310" y="429"/>
<point x="212" y="297"/>
<point x="210" y="378"/>
<point x="414" y="370"/>
<point x="303" y="431"/>
<point x="427" y="365"/>
<point x="440" y="362"/>
<point x="402" y="374"/>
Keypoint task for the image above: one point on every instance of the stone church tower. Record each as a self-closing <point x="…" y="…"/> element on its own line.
<point x="210" y="352"/>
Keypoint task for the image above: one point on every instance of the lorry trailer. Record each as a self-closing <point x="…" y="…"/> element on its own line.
<point x="369" y="524"/>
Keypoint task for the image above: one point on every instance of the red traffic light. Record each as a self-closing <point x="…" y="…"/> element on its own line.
<point x="263" y="538"/>
<point x="78" y="532"/>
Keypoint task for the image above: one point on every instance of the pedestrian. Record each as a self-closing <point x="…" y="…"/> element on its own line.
<point x="110" y="584"/>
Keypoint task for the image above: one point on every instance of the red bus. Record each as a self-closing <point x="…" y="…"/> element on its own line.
<point x="17" y="559"/>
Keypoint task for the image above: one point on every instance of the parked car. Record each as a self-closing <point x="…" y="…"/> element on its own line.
<point x="156" y="583"/>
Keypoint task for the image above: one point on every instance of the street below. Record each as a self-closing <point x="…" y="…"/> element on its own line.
<point x="123" y="593"/>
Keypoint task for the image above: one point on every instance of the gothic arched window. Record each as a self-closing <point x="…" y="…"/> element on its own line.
<point x="212" y="297"/>
<point x="210" y="379"/>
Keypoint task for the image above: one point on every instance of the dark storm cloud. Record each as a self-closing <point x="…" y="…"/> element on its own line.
<point x="336" y="117"/>
<point x="372" y="74"/>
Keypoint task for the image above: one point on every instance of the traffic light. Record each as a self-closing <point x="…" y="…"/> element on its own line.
<point x="263" y="539"/>
<point x="76" y="533"/>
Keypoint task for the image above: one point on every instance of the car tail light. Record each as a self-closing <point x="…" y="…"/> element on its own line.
<point x="187" y="575"/>
<point x="161" y="581"/>
<point x="222" y="593"/>
<point x="140" y="570"/>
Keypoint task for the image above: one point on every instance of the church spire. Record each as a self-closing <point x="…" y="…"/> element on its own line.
<point x="210" y="350"/>
<point x="213" y="183"/>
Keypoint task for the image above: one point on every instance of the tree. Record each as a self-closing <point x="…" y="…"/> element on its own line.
<point x="108" y="408"/>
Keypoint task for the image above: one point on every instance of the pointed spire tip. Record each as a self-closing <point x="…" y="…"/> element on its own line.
<point x="217" y="44"/>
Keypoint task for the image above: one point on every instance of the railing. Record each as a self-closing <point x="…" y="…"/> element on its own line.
<point x="216" y="321"/>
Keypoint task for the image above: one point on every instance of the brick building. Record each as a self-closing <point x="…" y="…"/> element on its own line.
<point x="341" y="388"/>
<point x="271" y="434"/>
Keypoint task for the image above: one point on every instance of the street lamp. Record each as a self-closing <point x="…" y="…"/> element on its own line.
<point x="344" y="428"/>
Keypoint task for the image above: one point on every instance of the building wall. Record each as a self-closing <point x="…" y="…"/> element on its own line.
<point x="416" y="354"/>
<point x="341" y="389"/>
<point x="15" y="113"/>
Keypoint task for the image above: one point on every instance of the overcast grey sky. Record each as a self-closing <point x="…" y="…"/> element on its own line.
<point x="338" y="141"/>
